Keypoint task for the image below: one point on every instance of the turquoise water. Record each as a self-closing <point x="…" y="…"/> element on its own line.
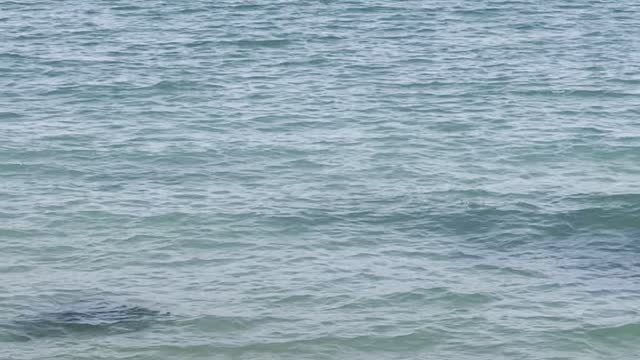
<point x="373" y="180"/>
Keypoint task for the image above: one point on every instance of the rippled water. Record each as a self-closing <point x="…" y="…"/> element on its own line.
<point x="319" y="179"/>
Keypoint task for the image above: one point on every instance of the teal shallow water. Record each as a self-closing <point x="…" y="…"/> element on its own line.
<point x="319" y="180"/>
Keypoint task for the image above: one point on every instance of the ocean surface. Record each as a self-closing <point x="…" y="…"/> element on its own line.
<point x="379" y="180"/>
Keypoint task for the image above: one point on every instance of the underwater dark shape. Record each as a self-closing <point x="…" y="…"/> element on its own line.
<point x="101" y="319"/>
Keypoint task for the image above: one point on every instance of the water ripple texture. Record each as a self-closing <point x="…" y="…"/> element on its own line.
<point x="377" y="180"/>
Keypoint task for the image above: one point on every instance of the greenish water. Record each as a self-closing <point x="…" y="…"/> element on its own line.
<point x="377" y="180"/>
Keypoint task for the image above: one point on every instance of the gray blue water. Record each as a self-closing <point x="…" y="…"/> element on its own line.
<point x="380" y="180"/>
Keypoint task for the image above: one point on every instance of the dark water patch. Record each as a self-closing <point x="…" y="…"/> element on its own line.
<point x="14" y="269"/>
<point x="127" y="8"/>
<point x="617" y="334"/>
<point x="265" y="43"/>
<point x="230" y="324"/>
<point x="8" y="115"/>
<point x="84" y="320"/>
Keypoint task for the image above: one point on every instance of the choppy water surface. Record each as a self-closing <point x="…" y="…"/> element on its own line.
<point x="319" y="179"/>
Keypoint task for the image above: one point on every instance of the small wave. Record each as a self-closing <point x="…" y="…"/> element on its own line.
<point x="577" y="93"/>
<point x="14" y="269"/>
<point x="268" y="43"/>
<point x="400" y="343"/>
<point x="126" y="8"/>
<point x="171" y="85"/>
<point x="615" y="334"/>
<point x="219" y="324"/>
<point x="8" y="115"/>
<point x="438" y="296"/>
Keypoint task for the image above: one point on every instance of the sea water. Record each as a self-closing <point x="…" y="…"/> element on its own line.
<point x="380" y="180"/>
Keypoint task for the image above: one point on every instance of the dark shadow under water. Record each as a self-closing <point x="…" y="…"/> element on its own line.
<point x="85" y="320"/>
